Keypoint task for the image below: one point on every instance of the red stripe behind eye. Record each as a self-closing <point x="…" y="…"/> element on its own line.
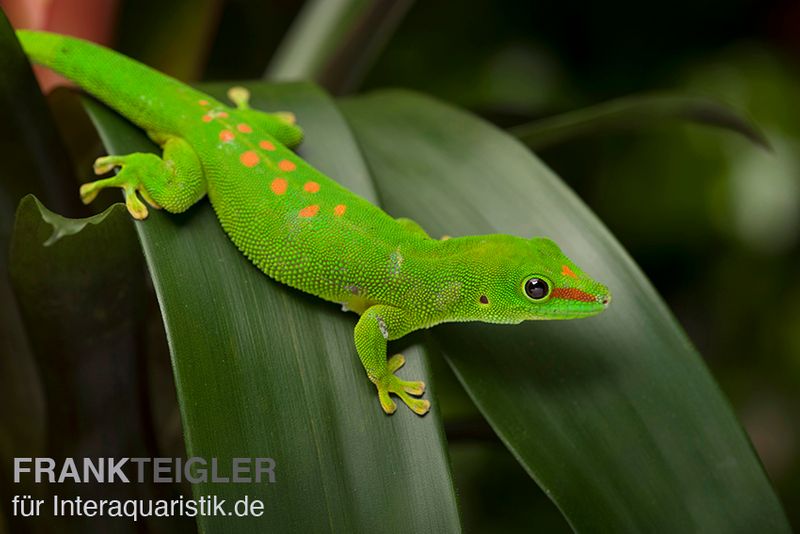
<point x="571" y="293"/>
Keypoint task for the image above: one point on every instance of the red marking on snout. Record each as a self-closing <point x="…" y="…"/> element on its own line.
<point x="566" y="271"/>
<point x="570" y="293"/>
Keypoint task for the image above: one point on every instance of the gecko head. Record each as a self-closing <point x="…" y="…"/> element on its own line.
<point x="537" y="281"/>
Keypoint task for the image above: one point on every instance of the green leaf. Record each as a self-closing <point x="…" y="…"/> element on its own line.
<point x="616" y="416"/>
<point x="266" y="371"/>
<point x="81" y="287"/>
<point x="333" y="42"/>
<point x="635" y="112"/>
<point x="33" y="160"/>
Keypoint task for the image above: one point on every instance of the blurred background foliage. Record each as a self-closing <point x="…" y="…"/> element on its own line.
<point x="713" y="220"/>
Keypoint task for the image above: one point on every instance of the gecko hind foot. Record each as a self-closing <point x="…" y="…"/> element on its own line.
<point x="391" y="384"/>
<point x="240" y="96"/>
<point x="280" y="124"/>
<point x="128" y="179"/>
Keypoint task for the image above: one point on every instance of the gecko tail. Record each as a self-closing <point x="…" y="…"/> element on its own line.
<point x="120" y="82"/>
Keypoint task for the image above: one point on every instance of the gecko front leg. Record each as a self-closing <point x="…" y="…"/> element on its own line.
<point x="377" y="325"/>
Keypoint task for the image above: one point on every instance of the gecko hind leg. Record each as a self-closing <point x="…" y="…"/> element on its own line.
<point x="174" y="182"/>
<point x="282" y="125"/>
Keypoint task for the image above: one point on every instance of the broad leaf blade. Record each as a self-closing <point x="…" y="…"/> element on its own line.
<point x="616" y="416"/>
<point x="635" y="112"/>
<point x="33" y="160"/>
<point x="83" y="318"/>
<point x="334" y="42"/>
<point x="266" y="371"/>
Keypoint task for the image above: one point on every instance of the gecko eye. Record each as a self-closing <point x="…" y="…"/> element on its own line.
<point x="536" y="288"/>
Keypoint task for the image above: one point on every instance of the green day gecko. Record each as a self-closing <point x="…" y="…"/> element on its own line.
<point x="305" y="230"/>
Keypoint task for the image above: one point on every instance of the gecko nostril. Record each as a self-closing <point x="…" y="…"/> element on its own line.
<point x="605" y="301"/>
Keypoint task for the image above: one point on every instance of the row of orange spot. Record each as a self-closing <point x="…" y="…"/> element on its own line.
<point x="250" y="158"/>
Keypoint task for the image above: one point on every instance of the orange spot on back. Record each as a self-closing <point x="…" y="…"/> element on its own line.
<point x="311" y="187"/>
<point x="278" y="186"/>
<point x="203" y="102"/>
<point x="207" y="118"/>
<point x="226" y="135"/>
<point x="286" y="165"/>
<point x="249" y="158"/>
<point x="309" y="211"/>
<point x="244" y="128"/>
<point x="222" y="115"/>
<point x="566" y="271"/>
<point x="339" y="210"/>
<point x="266" y="145"/>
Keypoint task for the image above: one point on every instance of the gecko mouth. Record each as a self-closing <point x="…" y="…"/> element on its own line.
<point x="576" y="313"/>
<point x="577" y="303"/>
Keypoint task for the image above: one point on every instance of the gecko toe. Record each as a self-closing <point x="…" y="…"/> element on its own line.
<point x="414" y="388"/>
<point x="418" y="406"/>
<point x="396" y="362"/>
<point x="387" y="403"/>
<point x="136" y="207"/>
<point x="240" y="96"/>
<point x="89" y="193"/>
<point x="404" y="390"/>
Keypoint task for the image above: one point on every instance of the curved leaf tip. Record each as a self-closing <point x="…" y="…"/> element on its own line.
<point x="636" y="112"/>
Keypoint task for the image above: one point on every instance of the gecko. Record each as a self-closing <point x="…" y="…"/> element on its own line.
<point x="302" y="228"/>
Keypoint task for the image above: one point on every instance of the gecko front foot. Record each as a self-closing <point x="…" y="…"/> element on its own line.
<point x="129" y="178"/>
<point x="391" y="384"/>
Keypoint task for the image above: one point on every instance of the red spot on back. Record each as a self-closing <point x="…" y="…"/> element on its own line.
<point x="203" y="102"/>
<point x="244" y="128"/>
<point x="566" y="271"/>
<point x="266" y="145"/>
<point x="571" y="293"/>
<point x="207" y="118"/>
<point x="339" y="210"/>
<point x="311" y="187"/>
<point x="226" y="135"/>
<point x="249" y="158"/>
<point x="309" y="211"/>
<point x="278" y="186"/>
<point x="222" y="115"/>
<point x="286" y="165"/>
